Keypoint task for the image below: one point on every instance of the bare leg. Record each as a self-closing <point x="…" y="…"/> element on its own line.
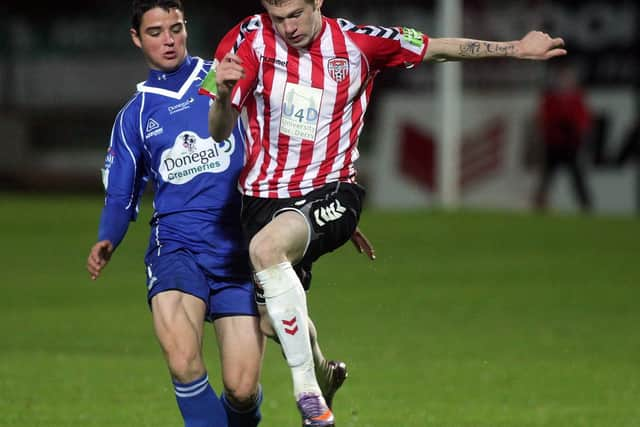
<point x="178" y="319"/>
<point x="241" y="347"/>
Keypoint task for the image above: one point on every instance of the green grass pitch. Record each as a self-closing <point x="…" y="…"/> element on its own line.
<point x="466" y="319"/>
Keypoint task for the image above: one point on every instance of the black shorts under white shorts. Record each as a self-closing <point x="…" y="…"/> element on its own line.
<point x="332" y="212"/>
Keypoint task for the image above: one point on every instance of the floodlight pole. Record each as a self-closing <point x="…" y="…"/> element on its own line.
<point x="449" y="89"/>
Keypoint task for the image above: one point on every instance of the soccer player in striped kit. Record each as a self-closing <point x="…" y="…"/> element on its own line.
<point x="302" y="83"/>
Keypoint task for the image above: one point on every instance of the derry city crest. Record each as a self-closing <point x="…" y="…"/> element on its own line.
<point x="338" y="69"/>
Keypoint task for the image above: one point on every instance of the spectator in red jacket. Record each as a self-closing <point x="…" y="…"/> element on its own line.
<point x="564" y="119"/>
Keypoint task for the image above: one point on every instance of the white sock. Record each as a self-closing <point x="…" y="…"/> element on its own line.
<point x="286" y="304"/>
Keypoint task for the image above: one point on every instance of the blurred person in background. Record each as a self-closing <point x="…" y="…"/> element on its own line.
<point x="564" y="120"/>
<point x="302" y="82"/>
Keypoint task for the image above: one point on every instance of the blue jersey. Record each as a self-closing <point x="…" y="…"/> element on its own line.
<point x="161" y="135"/>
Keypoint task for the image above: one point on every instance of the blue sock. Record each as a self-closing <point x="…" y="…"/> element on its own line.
<point x="199" y="405"/>
<point x="247" y="418"/>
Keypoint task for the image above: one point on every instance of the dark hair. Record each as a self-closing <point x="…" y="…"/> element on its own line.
<point x="140" y="7"/>
<point x="281" y="2"/>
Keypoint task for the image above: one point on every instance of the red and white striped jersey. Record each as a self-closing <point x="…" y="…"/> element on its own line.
<point x="304" y="108"/>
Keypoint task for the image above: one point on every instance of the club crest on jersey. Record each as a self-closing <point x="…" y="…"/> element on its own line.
<point x="338" y="69"/>
<point x="189" y="142"/>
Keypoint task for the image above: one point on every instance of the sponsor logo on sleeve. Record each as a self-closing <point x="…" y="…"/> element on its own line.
<point x="108" y="162"/>
<point x="412" y="41"/>
<point x="413" y="37"/>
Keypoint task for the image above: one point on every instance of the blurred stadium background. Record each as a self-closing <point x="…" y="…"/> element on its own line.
<point x="484" y="316"/>
<point x="66" y="70"/>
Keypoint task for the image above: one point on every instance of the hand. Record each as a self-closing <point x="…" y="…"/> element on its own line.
<point x="99" y="257"/>
<point x="228" y="72"/>
<point x="362" y="244"/>
<point x="540" y="46"/>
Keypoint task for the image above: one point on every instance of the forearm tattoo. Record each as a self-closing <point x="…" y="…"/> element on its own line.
<point x="475" y="49"/>
<point x="470" y="49"/>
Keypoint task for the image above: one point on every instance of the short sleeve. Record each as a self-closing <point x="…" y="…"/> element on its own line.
<point x="388" y="46"/>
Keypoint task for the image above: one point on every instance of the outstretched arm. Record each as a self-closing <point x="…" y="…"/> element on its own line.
<point x="535" y="45"/>
<point x="222" y="115"/>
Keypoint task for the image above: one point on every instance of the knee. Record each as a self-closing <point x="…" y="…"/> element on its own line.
<point x="264" y="252"/>
<point x="243" y="397"/>
<point x="185" y="365"/>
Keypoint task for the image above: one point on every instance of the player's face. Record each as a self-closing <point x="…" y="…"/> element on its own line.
<point x="162" y="38"/>
<point x="297" y="21"/>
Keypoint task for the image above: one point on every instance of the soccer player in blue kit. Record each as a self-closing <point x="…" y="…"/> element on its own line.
<point x="197" y="261"/>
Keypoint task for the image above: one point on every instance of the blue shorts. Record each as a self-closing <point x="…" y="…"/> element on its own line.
<point x="180" y="270"/>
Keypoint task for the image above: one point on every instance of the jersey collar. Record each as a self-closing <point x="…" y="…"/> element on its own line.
<point x="174" y="84"/>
